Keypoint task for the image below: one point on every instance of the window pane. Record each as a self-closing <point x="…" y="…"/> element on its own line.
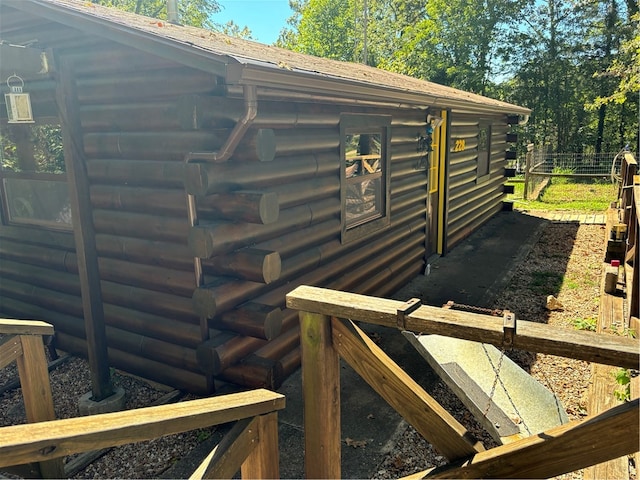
<point x="363" y="201"/>
<point x="44" y="202"/>
<point x="484" y="137"/>
<point x="364" y="179"/>
<point x="363" y="169"/>
<point x="32" y="148"/>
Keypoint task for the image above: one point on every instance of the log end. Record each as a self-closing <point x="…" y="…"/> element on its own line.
<point x="256" y="372"/>
<point x="200" y="242"/>
<point x="269" y="208"/>
<point x="208" y="358"/>
<point x="265" y="144"/>
<point x="271" y="267"/>
<point x="204" y="303"/>
<point x="273" y="323"/>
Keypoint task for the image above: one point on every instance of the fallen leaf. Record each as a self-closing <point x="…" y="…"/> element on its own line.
<point x="355" y="443"/>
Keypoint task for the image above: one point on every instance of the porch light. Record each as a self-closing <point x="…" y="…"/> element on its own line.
<point x="18" y="102"/>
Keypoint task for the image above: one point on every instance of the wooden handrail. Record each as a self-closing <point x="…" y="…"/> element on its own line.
<point x="556" y="451"/>
<point x="326" y="336"/>
<point x="41" y="441"/>
<point x="25" y="327"/>
<point x="532" y="336"/>
<point x="26" y="348"/>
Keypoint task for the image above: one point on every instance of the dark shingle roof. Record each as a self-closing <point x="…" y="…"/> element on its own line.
<point x="230" y="50"/>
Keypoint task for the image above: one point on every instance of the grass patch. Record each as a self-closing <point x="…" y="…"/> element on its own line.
<point x="571" y="284"/>
<point x="545" y="283"/>
<point x="585" y="324"/>
<point x="589" y="195"/>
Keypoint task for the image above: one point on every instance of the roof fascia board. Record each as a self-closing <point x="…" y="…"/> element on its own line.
<point x="256" y="74"/>
<point x="163" y="47"/>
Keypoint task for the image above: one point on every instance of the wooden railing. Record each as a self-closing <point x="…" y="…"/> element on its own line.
<point x="327" y="335"/>
<point x="25" y="346"/>
<point x="627" y="215"/>
<point x="250" y="447"/>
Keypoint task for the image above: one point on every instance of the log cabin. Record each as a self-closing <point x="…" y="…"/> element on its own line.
<point x="172" y="184"/>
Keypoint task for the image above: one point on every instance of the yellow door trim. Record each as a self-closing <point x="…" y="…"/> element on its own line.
<point x="442" y="157"/>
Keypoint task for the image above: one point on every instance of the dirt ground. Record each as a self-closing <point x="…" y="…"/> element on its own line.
<point x="566" y="262"/>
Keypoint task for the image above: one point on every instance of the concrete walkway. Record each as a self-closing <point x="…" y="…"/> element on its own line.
<point x="472" y="273"/>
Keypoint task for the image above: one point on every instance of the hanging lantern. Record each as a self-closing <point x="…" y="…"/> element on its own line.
<point x="18" y="102"/>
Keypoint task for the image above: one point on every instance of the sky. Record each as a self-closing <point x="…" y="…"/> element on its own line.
<point x="265" y="18"/>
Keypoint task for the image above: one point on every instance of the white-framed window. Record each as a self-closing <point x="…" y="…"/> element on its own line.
<point x="364" y="174"/>
<point x="32" y="174"/>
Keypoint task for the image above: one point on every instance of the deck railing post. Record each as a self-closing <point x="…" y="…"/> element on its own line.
<point x="321" y="394"/>
<point x="263" y="461"/>
<point x="36" y="393"/>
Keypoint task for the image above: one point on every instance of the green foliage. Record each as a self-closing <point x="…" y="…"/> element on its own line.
<point x="623" y="379"/>
<point x="325" y="28"/>
<point x="44" y="150"/>
<point x="628" y="78"/>
<point x="585" y="324"/>
<point x="456" y="42"/>
<point x="588" y="197"/>
<point x="197" y="13"/>
<point x="203" y="434"/>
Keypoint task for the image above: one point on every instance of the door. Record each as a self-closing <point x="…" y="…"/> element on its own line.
<point x="436" y="184"/>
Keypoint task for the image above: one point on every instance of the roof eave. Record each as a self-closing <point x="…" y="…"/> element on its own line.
<point x="161" y="46"/>
<point x="243" y="71"/>
<point x="267" y="75"/>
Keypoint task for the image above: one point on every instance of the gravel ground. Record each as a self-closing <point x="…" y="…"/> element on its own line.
<point x="566" y="262"/>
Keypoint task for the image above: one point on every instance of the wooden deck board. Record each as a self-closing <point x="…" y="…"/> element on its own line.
<point x="603" y="384"/>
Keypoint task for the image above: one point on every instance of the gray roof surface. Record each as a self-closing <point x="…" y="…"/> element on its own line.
<point x="230" y="50"/>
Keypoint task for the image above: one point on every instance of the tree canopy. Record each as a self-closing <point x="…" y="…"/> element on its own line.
<point x="575" y="64"/>
<point x="196" y="13"/>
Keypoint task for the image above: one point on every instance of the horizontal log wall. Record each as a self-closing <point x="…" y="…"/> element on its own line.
<point x="129" y="108"/>
<point x="472" y="203"/>
<point x="305" y="175"/>
<point x="268" y="218"/>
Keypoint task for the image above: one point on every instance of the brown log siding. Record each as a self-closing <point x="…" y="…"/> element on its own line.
<point x="140" y="117"/>
<point x="471" y="204"/>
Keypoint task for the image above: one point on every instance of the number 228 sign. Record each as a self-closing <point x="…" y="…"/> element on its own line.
<point x="459" y="145"/>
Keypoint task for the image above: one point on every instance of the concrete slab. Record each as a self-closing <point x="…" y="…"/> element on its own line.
<point x="520" y="406"/>
<point x="474" y="271"/>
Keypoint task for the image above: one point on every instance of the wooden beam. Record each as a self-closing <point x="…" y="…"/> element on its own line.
<point x="602" y="385"/>
<point x="227" y="457"/>
<point x="559" y="450"/>
<point x="408" y="398"/>
<point x="263" y="459"/>
<point x="25" y="327"/>
<point x="535" y="337"/>
<point x="45" y="440"/>
<point x="321" y="393"/>
<point x="10" y="350"/>
<point x="36" y="393"/>
<point x="84" y="233"/>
